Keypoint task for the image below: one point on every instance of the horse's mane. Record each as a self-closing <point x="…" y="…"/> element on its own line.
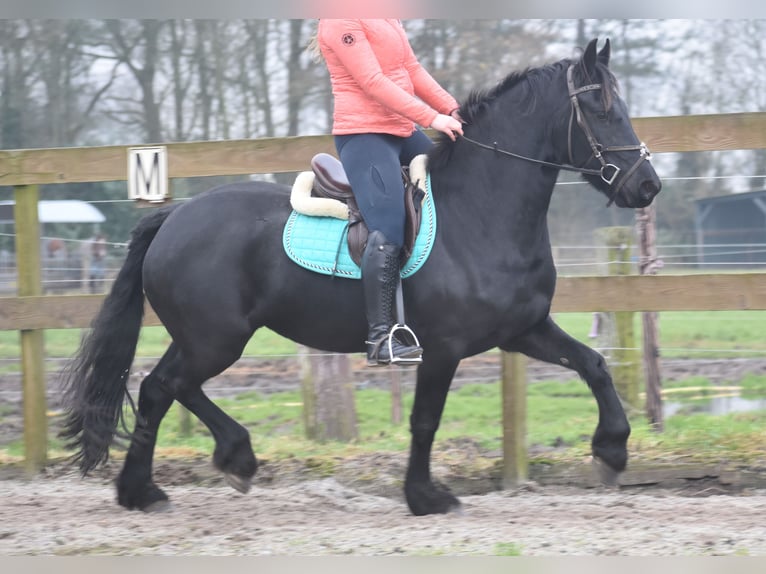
<point x="535" y="80"/>
<point x="479" y="100"/>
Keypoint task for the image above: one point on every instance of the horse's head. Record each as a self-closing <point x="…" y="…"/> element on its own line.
<point x="601" y="137"/>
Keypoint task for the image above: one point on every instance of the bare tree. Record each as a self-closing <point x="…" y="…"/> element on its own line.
<point x="181" y="76"/>
<point x="466" y="54"/>
<point x="16" y="112"/>
<point x="258" y="41"/>
<point x="136" y="45"/>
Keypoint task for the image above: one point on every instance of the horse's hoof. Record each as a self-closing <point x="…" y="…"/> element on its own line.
<point x="237" y="482"/>
<point x="432" y="499"/>
<point x="158" y="506"/>
<point x="606" y="474"/>
<point x="149" y="498"/>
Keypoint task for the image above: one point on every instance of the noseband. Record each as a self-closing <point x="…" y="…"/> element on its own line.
<point x="609" y="171"/>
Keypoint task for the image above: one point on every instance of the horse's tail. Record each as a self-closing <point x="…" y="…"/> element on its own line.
<point x="95" y="381"/>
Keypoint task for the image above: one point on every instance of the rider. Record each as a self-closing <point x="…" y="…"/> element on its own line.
<point x="380" y="92"/>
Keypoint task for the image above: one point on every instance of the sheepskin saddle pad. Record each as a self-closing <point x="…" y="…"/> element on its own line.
<point x="316" y="235"/>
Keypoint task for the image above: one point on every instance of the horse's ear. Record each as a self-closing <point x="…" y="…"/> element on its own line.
<point x="605" y="53"/>
<point x="589" y="56"/>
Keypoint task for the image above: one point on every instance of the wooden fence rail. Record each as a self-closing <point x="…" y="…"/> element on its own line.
<point x="30" y="313"/>
<point x="704" y="292"/>
<point x="713" y="132"/>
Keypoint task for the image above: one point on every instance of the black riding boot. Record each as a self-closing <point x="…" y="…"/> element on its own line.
<point x="380" y="278"/>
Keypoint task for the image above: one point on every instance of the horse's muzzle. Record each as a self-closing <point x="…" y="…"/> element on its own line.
<point x="648" y="190"/>
<point x="640" y="196"/>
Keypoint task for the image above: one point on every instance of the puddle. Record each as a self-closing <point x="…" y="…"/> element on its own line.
<point x="715" y="405"/>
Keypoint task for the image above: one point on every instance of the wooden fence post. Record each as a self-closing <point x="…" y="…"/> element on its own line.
<point x="32" y="340"/>
<point x="648" y="265"/>
<point x="514" y="396"/>
<point x="329" y="410"/>
<point x="395" y="378"/>
<point x="625" y="360"/>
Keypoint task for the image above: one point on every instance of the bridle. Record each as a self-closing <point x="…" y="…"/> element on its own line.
<point x="608" y="171"/>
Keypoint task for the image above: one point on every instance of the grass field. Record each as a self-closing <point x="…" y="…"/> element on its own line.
<point x="692" y="333"/>
<point x="560" y="414"/>
<point x="682" y="334"/>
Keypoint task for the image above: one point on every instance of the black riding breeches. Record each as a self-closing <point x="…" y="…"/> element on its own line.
<point x="373" y="166"/>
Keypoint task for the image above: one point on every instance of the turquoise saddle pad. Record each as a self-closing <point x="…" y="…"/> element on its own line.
<point x="319" y="243"/>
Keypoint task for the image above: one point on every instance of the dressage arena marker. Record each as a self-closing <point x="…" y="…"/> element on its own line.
<point x="148" y="174"/>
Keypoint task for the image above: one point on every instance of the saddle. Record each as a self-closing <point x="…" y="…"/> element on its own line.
<point x="330" y="182"/>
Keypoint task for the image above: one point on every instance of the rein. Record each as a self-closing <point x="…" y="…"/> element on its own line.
<point x="564" y="166"/>
<point x="608" y="171"/>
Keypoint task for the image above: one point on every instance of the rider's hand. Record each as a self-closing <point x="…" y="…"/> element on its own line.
<point x="456" y="114"/>
<point x="447" y="125"/>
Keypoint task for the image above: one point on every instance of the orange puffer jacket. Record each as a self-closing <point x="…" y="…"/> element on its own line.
<point x="375" y="77"/>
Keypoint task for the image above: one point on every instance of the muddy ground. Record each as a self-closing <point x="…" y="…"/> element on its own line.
<point x="297" y="509"/>
<point x="60" y="514"/>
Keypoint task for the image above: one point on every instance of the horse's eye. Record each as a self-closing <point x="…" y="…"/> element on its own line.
<point x="602" y="116"/>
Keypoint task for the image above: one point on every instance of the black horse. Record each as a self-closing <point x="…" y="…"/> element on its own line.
<point x="214" y="270"/>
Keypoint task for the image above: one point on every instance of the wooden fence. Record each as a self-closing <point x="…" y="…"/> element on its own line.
<point x="30" y="313"/>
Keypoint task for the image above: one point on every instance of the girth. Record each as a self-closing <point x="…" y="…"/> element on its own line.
<point x="330" y="182"/>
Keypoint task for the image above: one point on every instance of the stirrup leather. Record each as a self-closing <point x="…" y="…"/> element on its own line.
<point x="410" y="339"/>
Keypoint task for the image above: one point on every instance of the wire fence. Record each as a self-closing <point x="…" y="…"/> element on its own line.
<point x="70" y="271"/>
<point x="283" y="372"/>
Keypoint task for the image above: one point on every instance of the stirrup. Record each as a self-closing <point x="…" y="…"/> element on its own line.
<point x="410" y="339"/>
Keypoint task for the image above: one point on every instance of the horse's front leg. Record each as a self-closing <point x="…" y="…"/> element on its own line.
<point x="547" y="342"/>
<point x="433" y="382"/>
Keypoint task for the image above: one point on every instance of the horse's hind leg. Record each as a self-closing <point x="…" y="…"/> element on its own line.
<point x="233" y="452"/>
<point x="547" y="342"/>
<point x="201" y="360"/>
<point x="176" y="377"/>
<point x="135" y="489"/>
